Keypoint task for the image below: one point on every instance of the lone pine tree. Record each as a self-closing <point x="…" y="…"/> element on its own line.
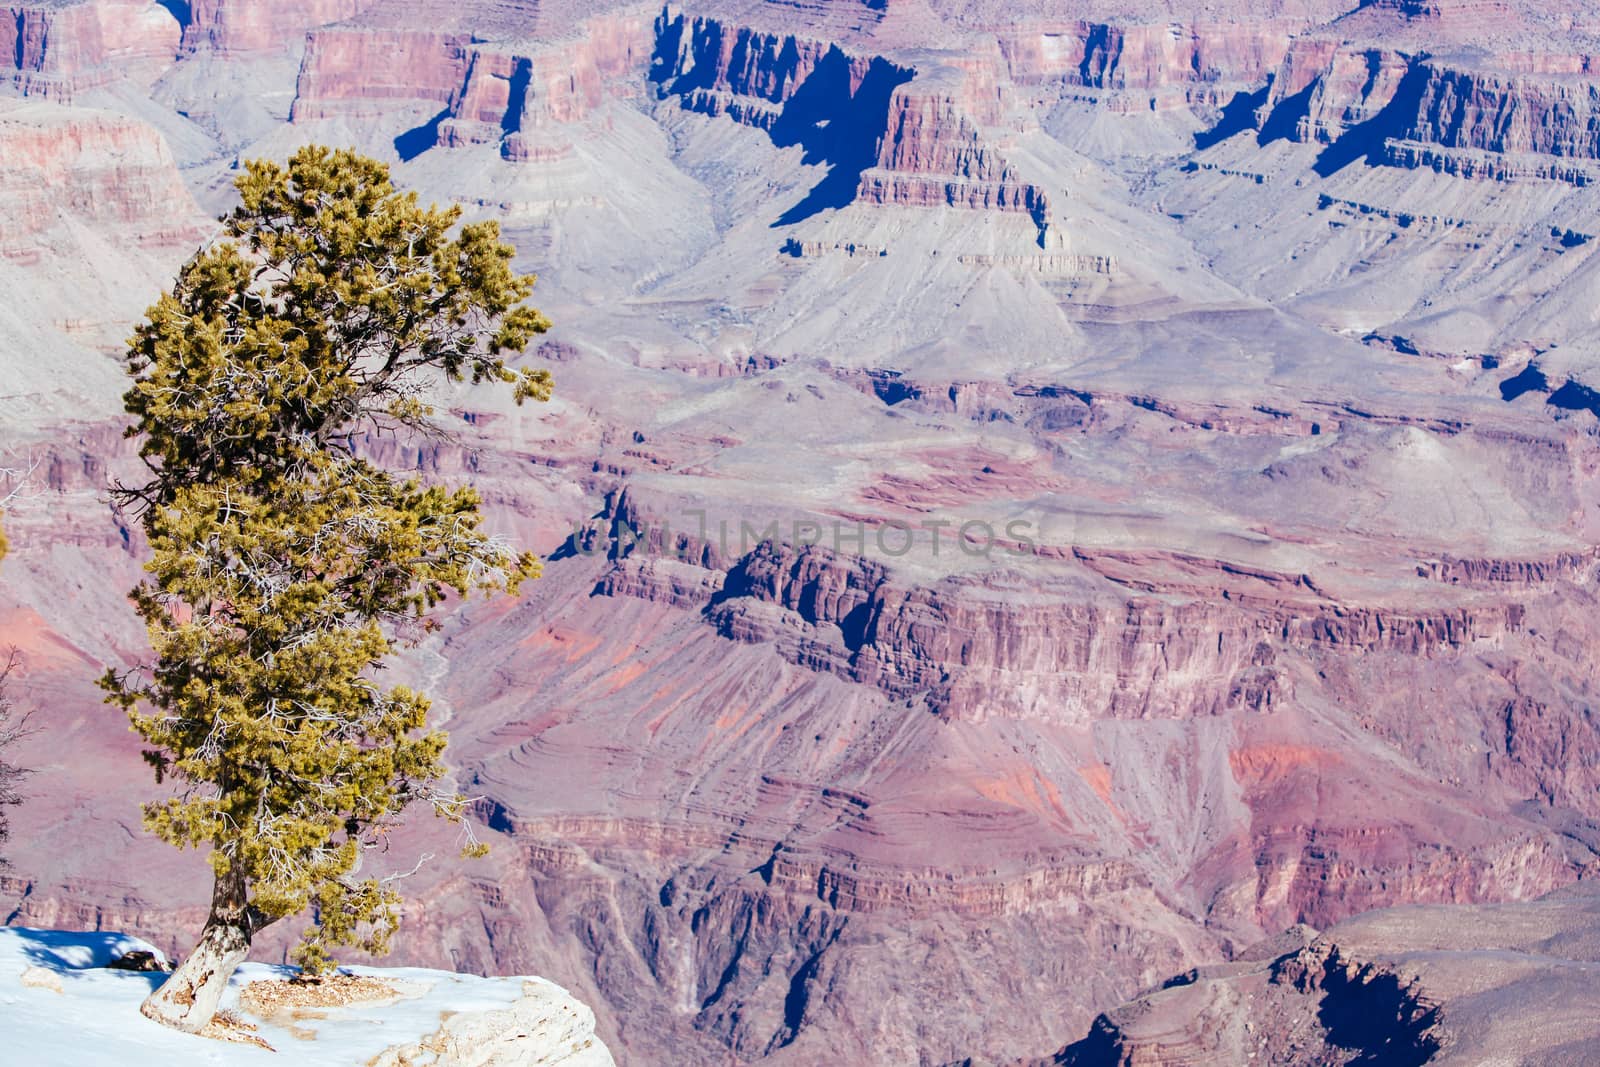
<point x="284" y="564"/>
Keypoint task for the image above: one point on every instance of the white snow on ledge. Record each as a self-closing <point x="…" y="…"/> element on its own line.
<point x="94" y="1019"/>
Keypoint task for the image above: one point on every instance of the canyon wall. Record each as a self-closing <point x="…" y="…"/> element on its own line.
<point x="364" y="71"/>
<point x="975" y="649"/>
<point x="932" y="155"/>
<point x="54" y="50"/>
<point x="59" y="49"/>
<point x="522" y="98"/>
<point x="78" y="167"/>
<point x="914" y="137"/>
<point x="1510" y="113"/>
<point x="242" y="26"/>
<point x="1143" y="57"/>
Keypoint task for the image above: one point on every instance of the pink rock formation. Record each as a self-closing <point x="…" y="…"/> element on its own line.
<point x="94" y="168"/>
<point x="233" y="26"/>
<point x="929" y="149"/>
<point x="525" y="98"/>
<point x="1477" y="117"/>
<point x="364" y="71"/>
<point x="931" y="155"/>
<point x="1149" y="56"/>
<point x="1509" y="113"/>
<point x="722" y="68"/>
<point x="55" y="49"/>
<point x="1343" y="86"/>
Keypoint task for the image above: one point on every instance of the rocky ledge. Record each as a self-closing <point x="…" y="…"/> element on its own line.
<point x="59" y="987"/>
<point x="1439" y="984"/>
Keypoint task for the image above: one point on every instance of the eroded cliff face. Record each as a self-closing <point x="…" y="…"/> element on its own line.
<point x="1325" y="87"/>
<point x="915" y="138"/>
<point x="1133" y="56"/>
<point x="976" y="648"/>
<point x="1297" y="999"/>
<point x="1491" y="113"/>
<point x="932" y="155"/>
<point x="523" y="101"/>
<point x="355" y="72"/>
<point x="58" y="50"/>
<point x="1439" y="985"/>
<point x="244" y="26"/>
<point x="1508" y="113"/>
<point x="93" y="166"/>
<point x="54" y="50"/>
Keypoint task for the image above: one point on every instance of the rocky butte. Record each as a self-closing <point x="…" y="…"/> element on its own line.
<point x="1040" y="499"/>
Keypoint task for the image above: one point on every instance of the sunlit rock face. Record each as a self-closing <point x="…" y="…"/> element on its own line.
<point x="1037" y="499"/>
<point x="1431" y="984"/>
<point x="56" y="48"/>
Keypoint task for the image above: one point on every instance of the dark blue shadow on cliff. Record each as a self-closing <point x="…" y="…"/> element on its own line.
<point x="178" y="9"/>
<point x="1379" y="1020"/>
<point x="1281" y="121"/>
<point x="838" y="128"/>
<point x="521" y="76"/>
<point x="1573" y="396"/>
<point x="1238" y="115"/>
<point x="1365" y="140"/>
<point x="419" y="139"/>
<point x="1528" y="380"/>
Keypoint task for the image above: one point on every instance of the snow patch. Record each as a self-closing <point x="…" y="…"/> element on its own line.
<point x="441" y="1018"/>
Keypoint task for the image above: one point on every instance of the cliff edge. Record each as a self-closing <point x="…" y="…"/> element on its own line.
<point x="70" y="997"/>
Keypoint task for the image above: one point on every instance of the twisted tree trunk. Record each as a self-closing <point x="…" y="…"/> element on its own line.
<point x="188" y="1000"/>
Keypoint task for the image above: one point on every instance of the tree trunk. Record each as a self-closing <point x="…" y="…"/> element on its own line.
<point x="188" y="999"/>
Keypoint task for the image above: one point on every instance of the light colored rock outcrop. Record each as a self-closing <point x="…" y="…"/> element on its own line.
<point x="546" y="1028"/>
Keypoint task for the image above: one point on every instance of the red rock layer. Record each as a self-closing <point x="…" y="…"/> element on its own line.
<point x="747" y="74"/>
<point x="1456" y="12"/>
<point x="1104" y="56"/>
<point x="981" y="649"/>
<point x="55" y="49"/>
<point x="931" y="150"/>
<point x="369" y="70"/>
<point x="1509" y="113"/>
<point x="523" y="95"/>
<point x="1343" y="85"/>
<point x="931" y="155"/>
<point x="1441" y="113"/>
<point x="89" y="166"/>
<point x="261" y="25"/>
<point x="714" y="56"/>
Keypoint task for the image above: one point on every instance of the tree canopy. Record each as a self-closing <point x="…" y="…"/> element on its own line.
<point x="285" y="564"/>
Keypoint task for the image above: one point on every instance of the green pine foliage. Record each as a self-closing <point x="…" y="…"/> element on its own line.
<point x="284" y="564"/>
